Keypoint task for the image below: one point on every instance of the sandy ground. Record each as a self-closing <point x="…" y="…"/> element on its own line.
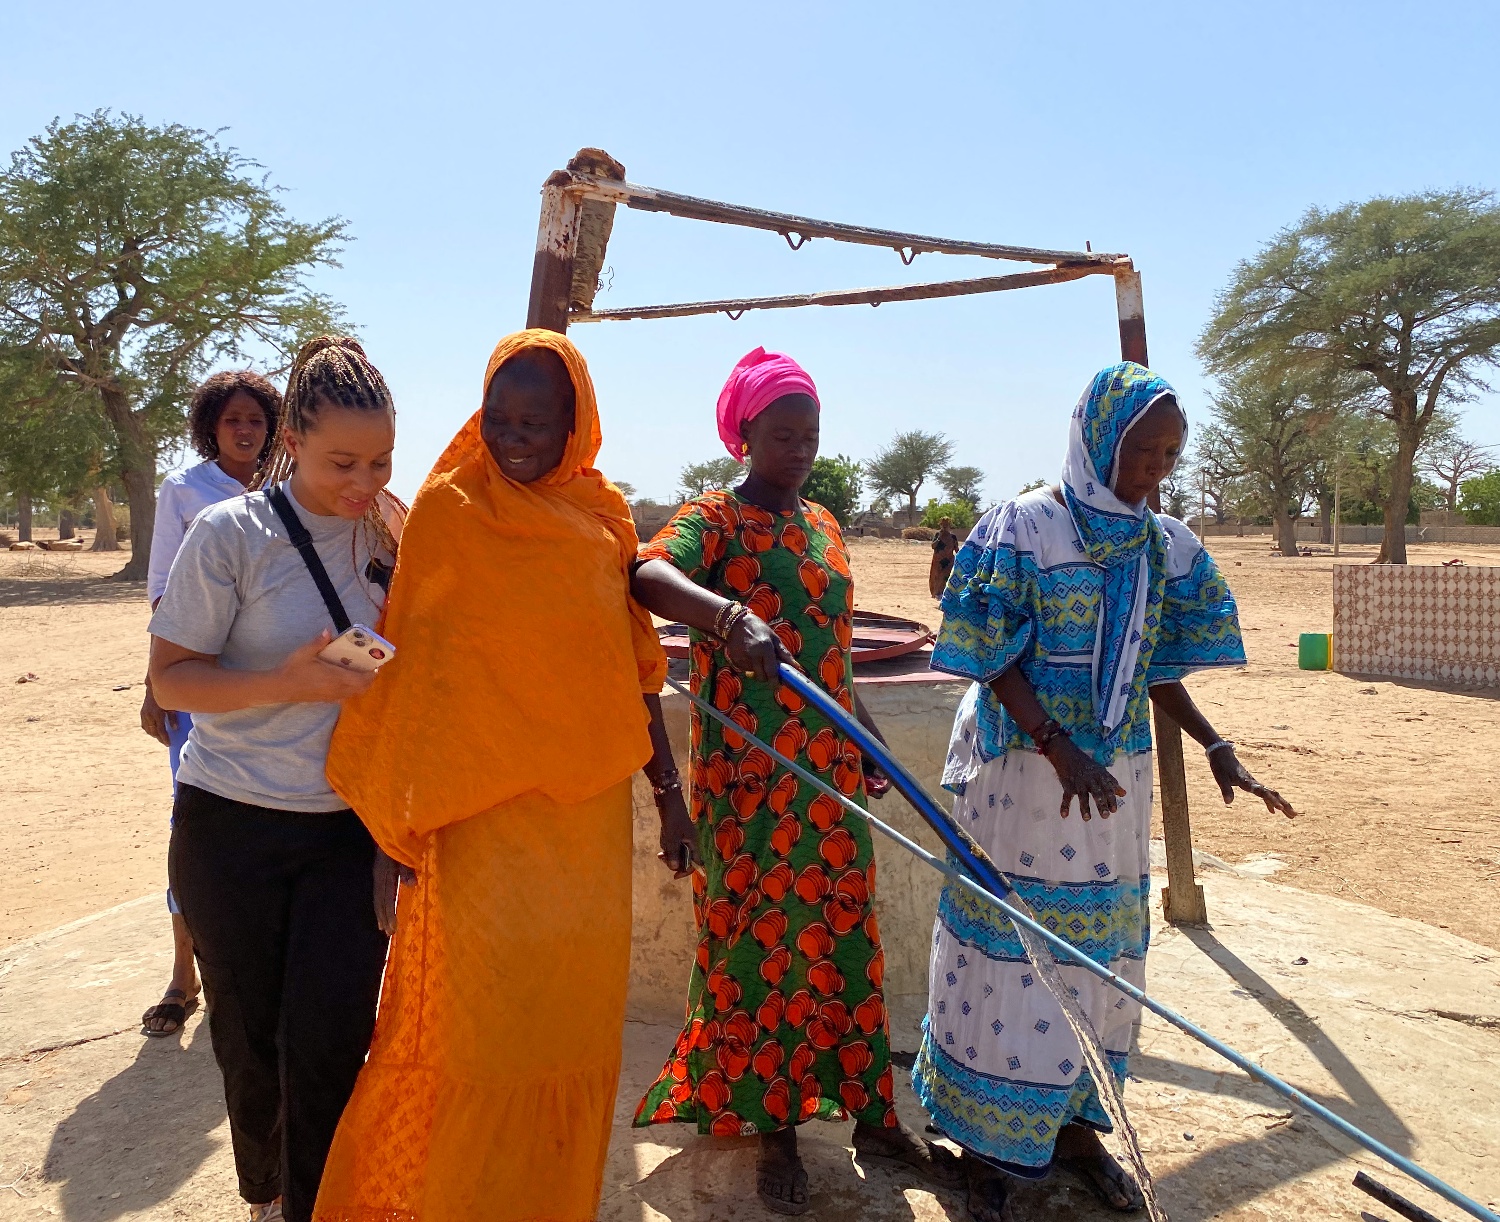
<point x="1397" y="782"/>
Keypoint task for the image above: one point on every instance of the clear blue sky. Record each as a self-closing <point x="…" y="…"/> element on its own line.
<point x="1184" y="134"/>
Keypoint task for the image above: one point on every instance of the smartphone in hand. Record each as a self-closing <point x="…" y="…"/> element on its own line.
<point x="358" y="648"/>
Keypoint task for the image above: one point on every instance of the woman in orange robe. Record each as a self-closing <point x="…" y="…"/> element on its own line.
<point x="493" y="756"/>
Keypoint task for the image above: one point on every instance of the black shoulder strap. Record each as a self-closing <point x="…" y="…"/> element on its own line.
<point x="302" y="541"/>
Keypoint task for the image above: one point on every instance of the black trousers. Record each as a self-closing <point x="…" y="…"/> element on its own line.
<point x="281" y="909"/>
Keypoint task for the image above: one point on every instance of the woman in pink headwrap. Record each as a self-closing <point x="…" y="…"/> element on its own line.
<point x="786" y="1020"/>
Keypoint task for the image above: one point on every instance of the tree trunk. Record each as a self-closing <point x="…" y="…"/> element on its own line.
<point x="1408" y="437"/>
<point x="1286" y="533"/>
<point x="23" y="517"/>
<point x="1325" y="519"/>
<point x="67" y="524"/>
<point x="105" y="539"/>
<point x="140" y="495"/>
<point x="138" y="474"/>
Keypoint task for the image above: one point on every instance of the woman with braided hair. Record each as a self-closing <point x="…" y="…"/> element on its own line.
<point x="286" y="897"/>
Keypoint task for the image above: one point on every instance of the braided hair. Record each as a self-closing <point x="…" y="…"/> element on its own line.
<point x="331" y="370"/>
<point x="208" y="405"/>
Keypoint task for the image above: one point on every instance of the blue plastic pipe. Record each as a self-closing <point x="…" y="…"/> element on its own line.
<point x="988" y="885"/>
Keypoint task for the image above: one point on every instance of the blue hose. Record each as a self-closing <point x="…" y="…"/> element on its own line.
<point x="990" y="886"/>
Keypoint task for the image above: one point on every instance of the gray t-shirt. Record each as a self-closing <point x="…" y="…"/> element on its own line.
<point x="239" y="589"/>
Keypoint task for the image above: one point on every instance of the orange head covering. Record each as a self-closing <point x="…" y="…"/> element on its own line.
<point x="520" y="655"/>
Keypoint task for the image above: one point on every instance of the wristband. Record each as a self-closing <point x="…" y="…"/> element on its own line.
<point x="1218" y="745"/>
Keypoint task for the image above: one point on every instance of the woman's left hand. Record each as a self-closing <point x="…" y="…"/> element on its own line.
<point x="389" y="874"/>
<point x="1232" y="775"/>
<point x="679" y="835"/>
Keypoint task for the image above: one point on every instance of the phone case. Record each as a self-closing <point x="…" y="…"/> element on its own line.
<point x="359" y="648"/>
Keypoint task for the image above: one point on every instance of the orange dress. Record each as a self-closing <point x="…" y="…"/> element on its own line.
<point x="494" y="754"/>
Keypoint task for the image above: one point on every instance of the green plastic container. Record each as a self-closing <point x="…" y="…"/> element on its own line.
<point x="1315" y="651"/>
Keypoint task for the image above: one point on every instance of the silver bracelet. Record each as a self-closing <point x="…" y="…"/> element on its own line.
<point x="1218" y="745"/>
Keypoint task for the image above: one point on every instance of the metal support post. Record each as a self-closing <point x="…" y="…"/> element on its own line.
<point x="552" y="269"/>
<point x="1182" y="899"/>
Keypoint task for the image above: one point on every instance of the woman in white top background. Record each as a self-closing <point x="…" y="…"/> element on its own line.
<point x="232" y="421"/>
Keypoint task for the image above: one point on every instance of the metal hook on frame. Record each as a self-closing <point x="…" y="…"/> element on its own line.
<point x="908" y="254"/>
<point x="802" y="239"/>
<point x="735" y="315"/>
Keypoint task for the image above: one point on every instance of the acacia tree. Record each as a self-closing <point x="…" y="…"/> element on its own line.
<point x="700" y="477"/>
<point x="905" y="465"/>
<point x="50" y="442"/>
<point x="131" y="257"/>
<point x="962" y="484"/>
<point x="1270" y="427"/>
<point x="1208" y="474"/>
<point x="1403" y="293"/>
<point x="1451" y="458"/>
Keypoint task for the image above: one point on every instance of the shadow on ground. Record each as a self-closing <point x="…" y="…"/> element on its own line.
<point x="45" y="582"/>
<point x="135" y="1141"/>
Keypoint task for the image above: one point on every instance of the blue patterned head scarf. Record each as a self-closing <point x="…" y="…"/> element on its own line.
<point x="1124" y="540"/>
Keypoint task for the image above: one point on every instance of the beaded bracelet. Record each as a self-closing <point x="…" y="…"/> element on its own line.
<point x="1218" y="745"/>
<point x="729" y="615"/>
<point x="664" y="784"/>
<point x="1046" y="734"/>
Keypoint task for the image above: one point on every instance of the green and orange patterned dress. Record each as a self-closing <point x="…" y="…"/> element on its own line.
<point x="785" y="1016"/>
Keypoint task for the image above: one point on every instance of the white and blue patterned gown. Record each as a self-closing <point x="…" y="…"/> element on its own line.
<point x="999" y="1068"/>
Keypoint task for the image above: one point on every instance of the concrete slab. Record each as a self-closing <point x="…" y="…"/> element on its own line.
<point x="1392" y="1023"/>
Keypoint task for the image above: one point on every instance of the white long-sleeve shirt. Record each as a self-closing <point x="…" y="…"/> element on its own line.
<point x="183" y="495"/>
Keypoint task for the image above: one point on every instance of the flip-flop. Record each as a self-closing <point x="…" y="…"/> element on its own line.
<point x="1093" y="1172"/>
<point x="790" y="1177"/>
<point x="174" y="1012"/>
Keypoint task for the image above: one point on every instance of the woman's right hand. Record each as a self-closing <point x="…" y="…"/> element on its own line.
<point x="754" y="649"/>
<point x="154" y="718"/>
<point x="306" y="678"/>
<point x="1083" y="777"/>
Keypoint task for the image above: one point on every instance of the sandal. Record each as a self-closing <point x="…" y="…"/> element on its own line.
<point x="781" y="1186"/>
<point x="173" y="1012"/>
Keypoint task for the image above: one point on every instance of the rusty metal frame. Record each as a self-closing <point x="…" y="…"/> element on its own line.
<point x="577" y="217"/>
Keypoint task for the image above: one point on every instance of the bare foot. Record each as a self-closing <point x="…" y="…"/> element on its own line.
<point x="780" y="1180"/>
<point x="902" y="1147"/>
<point x="1080" y="1151"/>
<point x="989" y="1191"/>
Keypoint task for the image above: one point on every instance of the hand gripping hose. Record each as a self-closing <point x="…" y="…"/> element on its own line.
<point x="987" y="883"/>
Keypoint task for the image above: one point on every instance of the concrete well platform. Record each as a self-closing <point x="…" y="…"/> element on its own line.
<point x="1392" y="1023"/>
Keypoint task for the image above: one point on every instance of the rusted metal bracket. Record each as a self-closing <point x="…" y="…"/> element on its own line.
<point x="734" y="307"/>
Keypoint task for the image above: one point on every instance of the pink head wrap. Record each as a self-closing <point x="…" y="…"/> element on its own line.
<point x="758" y="381"/>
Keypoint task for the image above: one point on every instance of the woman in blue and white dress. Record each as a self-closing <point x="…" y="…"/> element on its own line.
<point x="232" y="422"/>
<point x="1073" y="609"/>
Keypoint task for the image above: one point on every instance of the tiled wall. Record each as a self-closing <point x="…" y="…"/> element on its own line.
<point x="1418" y="622"/>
